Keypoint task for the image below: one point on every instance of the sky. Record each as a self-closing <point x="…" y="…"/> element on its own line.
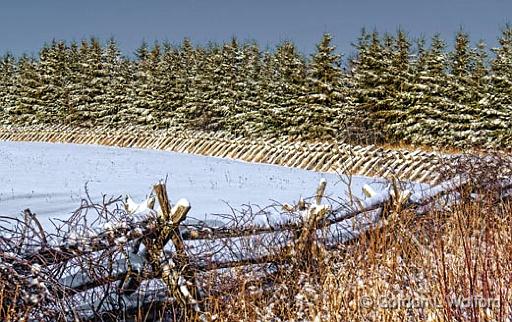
<point x="26" y="25"/>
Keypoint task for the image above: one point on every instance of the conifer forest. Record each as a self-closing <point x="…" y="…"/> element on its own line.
<point x="392" y="89"/>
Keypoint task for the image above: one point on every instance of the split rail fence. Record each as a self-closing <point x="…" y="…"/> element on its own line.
<point x="155" y="256"/>
<point x="127" y="260"/>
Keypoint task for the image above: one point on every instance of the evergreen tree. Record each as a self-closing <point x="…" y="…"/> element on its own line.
<point x="430" y="94"/>
<point x="202" y="96"/>
<point x="69" y="106"/>
<point x="393" y="109"/>
<point x="250" y="119"/>
<point x="229" y="100"/>
<point x="186" y="69"/>
<point x="8" y="92"/>
<point x="88" y="93"/>
<point x="500" y="116"/>
<point x="169" y="79"/>
<point x="118" y="73"/>
<point x="270" y="98"/>
<point x="457" y="117"/>
<point x="323" y="91"/>
<point x="479" y="78"/>
<point x="286" y="76"/>
<point x="502" y="64"/>
<point x="54" y="73"/>
<point x="371" y="80"/>
<point x="392" y="92"/>
<point x="145" y="93"/>
<point x="29" y="93"/>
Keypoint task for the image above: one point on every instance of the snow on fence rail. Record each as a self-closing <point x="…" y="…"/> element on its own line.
<point x="371" y="160"/>
<point x="125" y="260"/>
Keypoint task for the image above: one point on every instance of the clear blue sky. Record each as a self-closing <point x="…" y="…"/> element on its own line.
<point x="26" y="25"/>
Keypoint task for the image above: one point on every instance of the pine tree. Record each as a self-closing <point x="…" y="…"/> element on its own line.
<point x="287" y="86"/>
<point x="371" y="76"/>
<point x="118" y="72"/>
<point x="323" y="91"/>
<point x="399" y="97"/>
<point x="54" y="73"/>
<point x="171" y="97"/>
<point x="8" y="93"/>
<point x="145" y="93"/>
<point x="500" y="116"/>
<point x="28" y="89"/>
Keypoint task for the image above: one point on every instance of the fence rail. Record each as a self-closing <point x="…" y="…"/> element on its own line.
<point x="96" y="269"/>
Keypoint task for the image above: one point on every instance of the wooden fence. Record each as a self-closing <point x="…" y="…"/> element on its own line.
<point x="139" y="259"/>
<point x="369" y="160"/>
<point x="156" y="256"/>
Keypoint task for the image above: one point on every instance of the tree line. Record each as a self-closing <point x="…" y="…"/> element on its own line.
<point x="394" y="89"/>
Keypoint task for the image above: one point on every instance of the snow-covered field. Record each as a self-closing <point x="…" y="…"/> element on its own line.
<point x="51" y="179"/>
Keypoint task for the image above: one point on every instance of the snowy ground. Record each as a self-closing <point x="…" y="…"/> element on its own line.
<point x="50" y="179"/>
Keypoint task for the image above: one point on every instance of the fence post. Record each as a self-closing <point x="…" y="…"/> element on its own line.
<point x="306" y="242"/>
<point x="177" y="275"/>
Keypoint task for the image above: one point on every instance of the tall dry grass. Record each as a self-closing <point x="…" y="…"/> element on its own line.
<point x="453" y="264"/>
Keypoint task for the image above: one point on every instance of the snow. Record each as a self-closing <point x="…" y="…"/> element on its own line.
<point x="51" y="179"/>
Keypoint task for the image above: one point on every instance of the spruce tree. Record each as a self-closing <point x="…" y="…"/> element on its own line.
<point x="73" y="83"/>
<point x="394" y="108"/>
<point x="270" y="98"/>
<point x="184" y="85"/>
<point x="28" y="89"/>
<point x="172" y="97"/>
<point x="88" y="93"/>
<point x="323" y="94"/>
<point x="458" y="117"/>
<point x="500" y="116"/>
<point x="54" y="74"/>
<point x="117" y="99"/>
<point x="479" y="85"/>
<point x="145" y="93"/>
<point x="201" y="97"/>
<point x="370" y="71"/>
<point x="8" y="91"/>
<point x="229" y="100"/>
<point x="287" y="90"/>
<point x="428" y="93"/>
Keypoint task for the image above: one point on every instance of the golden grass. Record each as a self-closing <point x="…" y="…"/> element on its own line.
<point x="448" y="265"/>
<point x="452" y="265"/>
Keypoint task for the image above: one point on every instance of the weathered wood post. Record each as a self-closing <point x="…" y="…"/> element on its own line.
<point x="320" y="191"/>
<point x="306" y="243"/>
<point x="175" y="273"/>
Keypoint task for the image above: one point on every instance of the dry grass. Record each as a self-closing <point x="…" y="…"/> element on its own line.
<point x="451" y="265"/>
